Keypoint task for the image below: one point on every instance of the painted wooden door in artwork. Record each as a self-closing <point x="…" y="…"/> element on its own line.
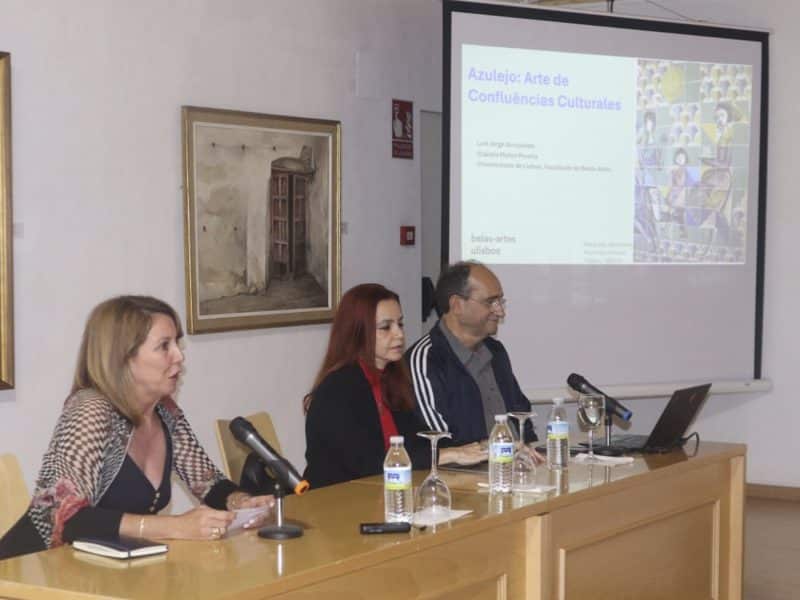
<point x="288" y="224"/>
<point x="279" y="215"/>
<point x="298" y="234"/>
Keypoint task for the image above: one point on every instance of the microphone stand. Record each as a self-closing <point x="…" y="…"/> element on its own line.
<point x="281" y="530"/>
<point x="607" y="449"/>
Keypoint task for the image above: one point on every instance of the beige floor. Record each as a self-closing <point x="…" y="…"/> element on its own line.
<point x="772" y="550"/>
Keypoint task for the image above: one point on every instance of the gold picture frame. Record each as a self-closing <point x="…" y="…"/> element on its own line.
<point x="6" y="225"/>
<point x="262" y="204"/>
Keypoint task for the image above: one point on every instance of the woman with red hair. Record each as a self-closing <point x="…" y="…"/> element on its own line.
<point x="362" y="395"/>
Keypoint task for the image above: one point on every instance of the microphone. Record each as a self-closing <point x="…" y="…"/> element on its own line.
<point x="580" y="385"/>
<point x="284" y="472"/>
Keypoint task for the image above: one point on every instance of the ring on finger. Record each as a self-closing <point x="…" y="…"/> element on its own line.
<point x="215" y="533"/>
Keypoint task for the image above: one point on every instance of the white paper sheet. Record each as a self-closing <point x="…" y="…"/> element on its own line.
<point x="608" y="461"/>
<point x="430" y="517"/>
<point x="245" y="515"/>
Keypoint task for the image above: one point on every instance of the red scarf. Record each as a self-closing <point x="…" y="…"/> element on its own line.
<point x="374" y="377"/>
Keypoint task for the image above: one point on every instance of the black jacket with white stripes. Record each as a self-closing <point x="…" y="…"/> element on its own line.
<point x="448" y="397"/>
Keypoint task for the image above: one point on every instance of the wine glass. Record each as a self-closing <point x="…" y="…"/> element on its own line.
<point x="591" y="410"/>
<point x="433" y="496"/>
<point x="523" y="468"/>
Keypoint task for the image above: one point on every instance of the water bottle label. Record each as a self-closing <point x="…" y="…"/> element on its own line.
<point x="502" y="452"/>
<point x="397" y="478"/>
<point x="557" y="430"/>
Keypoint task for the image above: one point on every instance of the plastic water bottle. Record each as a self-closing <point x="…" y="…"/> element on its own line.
<point x="559" y="479"/>
<point x="499" y="503"/>
<point x="558" y="436"/>
<point x="501" y="456"/>
<point x="397" y="493"/>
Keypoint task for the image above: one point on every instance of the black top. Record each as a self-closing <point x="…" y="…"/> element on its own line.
<point x="132" y="492"/>
<point x="344" y="439"/>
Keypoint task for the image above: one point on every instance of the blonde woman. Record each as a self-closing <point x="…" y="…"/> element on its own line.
<point x="119" y="437"/>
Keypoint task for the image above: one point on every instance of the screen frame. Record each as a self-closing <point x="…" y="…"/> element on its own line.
<point x="608" y="21"/>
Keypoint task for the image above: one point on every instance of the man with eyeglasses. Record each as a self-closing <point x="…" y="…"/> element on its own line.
<point x="462" y="376"/>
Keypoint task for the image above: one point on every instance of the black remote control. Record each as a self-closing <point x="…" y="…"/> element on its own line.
<point x="367" y="528"/>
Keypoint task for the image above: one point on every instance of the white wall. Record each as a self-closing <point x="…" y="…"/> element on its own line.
<point x="97" y="87"/>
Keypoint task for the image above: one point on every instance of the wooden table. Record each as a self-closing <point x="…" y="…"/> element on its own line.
<point x="668" y="526"/>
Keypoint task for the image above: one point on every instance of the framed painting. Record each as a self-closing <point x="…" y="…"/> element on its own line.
<point x="262" y="198"/>
<point x="6" y="224"/>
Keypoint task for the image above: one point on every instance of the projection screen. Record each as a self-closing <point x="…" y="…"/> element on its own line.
<point x="611" y="171"/>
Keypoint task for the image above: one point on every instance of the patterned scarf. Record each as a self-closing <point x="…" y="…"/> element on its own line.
<point x="86" y="452"/>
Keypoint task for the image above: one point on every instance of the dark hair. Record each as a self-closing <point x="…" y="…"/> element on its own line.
<point x="453" y="281"/>
<point x="679" y="152"/>
<point x="353" y="337"/>
<point x="728" y="108"/>
<point x="113" y="334"/>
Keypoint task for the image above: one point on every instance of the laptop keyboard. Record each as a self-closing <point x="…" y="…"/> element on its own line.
<point x="629" y="439"/>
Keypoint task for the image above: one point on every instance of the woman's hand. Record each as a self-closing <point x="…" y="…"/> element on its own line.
<point x="238" y="500"/>
<point x="537" y="458"/>
<point x="201" y="523"/>
<point x="469" y="454"/>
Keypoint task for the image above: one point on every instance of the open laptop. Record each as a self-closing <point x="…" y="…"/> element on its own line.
<point x="668" y="431"/>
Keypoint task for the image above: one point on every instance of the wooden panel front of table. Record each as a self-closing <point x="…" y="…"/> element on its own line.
<point x="668" y="526"/>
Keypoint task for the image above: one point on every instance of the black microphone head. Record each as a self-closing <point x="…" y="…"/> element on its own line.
<point x="576" y="382"/>
<point x="241" y="428"/>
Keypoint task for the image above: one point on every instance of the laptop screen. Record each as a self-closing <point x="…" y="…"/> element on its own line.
<point x="678" y="414"/>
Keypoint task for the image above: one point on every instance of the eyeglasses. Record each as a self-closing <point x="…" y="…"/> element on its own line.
<point x="495" y="304"/>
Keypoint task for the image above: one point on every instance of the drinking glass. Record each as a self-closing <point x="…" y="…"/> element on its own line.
<point x="523" y="468"/>
<point x="433" y="496"/>
<point x="591" y="410"/>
